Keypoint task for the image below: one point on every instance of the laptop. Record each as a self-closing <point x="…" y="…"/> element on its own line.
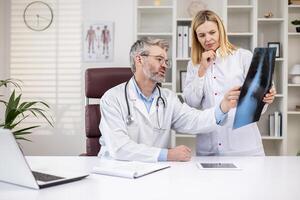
<point x="15" y="169"/>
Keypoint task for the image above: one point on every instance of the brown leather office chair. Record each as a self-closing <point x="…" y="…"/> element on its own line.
<point x="97" y="82"/>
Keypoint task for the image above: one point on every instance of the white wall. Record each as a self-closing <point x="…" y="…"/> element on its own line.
<point x="4" y="22"/>
<point x="4" y="44"/>
<point x="121" y="12"/>
<point x="1" y="38"/>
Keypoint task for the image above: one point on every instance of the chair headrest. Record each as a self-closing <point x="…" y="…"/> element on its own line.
<point x="99" y="80"/>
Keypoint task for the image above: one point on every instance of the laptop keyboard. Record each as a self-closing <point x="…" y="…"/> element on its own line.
<point x="45" y="177"/>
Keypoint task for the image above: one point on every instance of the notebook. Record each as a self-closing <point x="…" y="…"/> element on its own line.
<point x="127" y="169"/>
<point x="15" y="169"/>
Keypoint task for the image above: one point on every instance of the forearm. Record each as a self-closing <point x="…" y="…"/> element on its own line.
<point x="193" y="92"/>
<point x="136" y="152"/>
<point x="193" y="121"/>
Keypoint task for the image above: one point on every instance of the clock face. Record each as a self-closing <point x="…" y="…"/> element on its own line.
<point x="38" y="16"/>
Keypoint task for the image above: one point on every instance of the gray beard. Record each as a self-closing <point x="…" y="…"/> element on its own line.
<point x="154" y="77"/>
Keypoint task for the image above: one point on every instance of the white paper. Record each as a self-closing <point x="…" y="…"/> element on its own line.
<point x="127" y="169"/>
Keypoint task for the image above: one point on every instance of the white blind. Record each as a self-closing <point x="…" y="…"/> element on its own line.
<point x="49" y="63"/>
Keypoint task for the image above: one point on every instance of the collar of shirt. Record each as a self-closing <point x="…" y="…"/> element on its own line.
<point x="147" y="100"/>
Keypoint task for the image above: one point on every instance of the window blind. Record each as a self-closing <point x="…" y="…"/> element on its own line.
<point x="49" y="64"/>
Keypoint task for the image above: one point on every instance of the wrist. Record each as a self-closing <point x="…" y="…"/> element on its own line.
<point x="168" y="155"/>
<point x="224" y="108"/>
<point x="201" y="71"/>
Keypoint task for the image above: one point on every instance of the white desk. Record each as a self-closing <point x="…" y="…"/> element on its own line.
<point x="260" y="178"/>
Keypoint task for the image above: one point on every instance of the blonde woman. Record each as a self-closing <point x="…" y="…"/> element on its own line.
<point x="216" y="65"/>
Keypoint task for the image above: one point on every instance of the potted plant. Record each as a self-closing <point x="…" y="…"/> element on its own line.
<point x="297" y="24"/>
<point x="17" y="111"/>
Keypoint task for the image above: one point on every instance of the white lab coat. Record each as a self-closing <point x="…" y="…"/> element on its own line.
<point x="208" y="91"/>
<point x="143" y="140"/>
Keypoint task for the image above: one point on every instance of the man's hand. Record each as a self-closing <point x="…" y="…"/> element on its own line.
<point x="179" y="153"/>
<point x="230" y="99"/>
<point x="269" y="97"/>
<point x="207" y="58"/>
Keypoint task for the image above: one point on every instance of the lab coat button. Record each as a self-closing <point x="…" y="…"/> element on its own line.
<point x="220" y="144"/>
<point x="216" y="94"/>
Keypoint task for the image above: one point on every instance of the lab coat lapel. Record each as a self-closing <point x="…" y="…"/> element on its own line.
<point x="153" y="105"/>
<point x="156" y="114"/>
<point x="136" y="102"/>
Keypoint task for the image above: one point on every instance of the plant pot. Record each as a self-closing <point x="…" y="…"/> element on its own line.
<point x="298" y="29"/>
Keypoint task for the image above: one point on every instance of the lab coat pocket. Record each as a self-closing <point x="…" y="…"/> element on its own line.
<point x="133" y="131"/>
<point x="244" y="138"/>
<point x="204" y="144"/>
<point x="159" y="130"/>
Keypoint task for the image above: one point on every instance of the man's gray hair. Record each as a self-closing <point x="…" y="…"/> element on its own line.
<point x="142" y="45"/>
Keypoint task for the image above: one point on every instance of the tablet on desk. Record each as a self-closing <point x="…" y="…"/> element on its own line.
<point x="217" y="165"/>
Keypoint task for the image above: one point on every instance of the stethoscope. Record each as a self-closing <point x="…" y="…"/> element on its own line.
<point x="130" y="119"/>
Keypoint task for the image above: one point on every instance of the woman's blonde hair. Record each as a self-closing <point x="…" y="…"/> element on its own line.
<point x="226" y="48"/>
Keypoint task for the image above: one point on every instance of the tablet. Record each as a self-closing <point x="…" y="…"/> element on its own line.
<point x="216" y="165"/>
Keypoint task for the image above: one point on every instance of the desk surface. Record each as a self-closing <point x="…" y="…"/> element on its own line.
<point x="260" y="178"/>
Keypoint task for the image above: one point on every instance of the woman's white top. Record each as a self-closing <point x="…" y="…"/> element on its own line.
<point x="208" y="91"/>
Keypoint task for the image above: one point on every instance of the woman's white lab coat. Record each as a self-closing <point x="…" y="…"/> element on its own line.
<point x="143" y="139"/>
<point x="208" y="91"/>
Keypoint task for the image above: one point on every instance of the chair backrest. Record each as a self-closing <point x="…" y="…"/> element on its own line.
<point x="97" y="82"/>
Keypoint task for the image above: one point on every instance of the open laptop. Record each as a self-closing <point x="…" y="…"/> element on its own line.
<point x="14" y="168"/>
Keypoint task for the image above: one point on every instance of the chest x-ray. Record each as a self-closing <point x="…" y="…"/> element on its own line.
<point x="258" y="82"/>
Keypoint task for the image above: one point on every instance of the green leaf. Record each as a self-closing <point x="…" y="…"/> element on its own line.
<point x="22" y="133"/>
<point x="10" y="81"/>
<point x="14" y="125"/>
<point x="29" y="104"/>
<point x="16" y="103"/>
<point x="19" y="132"/>
<point x="11" y="116"/>
<point x="22" y="138"/>
<point x="43" y="115"/>
<point x="296" y="22"/>
<point x="10" y="103"/>
<point x="2" y="101"/>
<point x="16" y="111"/>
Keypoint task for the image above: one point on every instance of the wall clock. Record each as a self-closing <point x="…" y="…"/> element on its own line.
<point x="38" y="16"/>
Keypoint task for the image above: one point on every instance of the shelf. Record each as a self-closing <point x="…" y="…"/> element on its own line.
<point x="293" y="112"/>
<point x="184" y="19"/>
<point x="293" y="85"/>
<point x="180" y="135"/>
<point x="155" y="7"/>
<point x="279" y="59"/>
<point x="166" y="84"/>
<point x="239" y="34"/>
<point x="154" y="34"/>
<point x="293" y="6"/>
<point x="248" y="7"/>
<point x="270" y="20"/>
<point x="183" y="59"/>
<point x="147" y="3"/>
<point x="293" y="34"/>
<point x="279" y="95"/>
<point x="271" y="138"/>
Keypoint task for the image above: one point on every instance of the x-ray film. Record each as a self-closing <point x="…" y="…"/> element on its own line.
<point x="258" y="82"/>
